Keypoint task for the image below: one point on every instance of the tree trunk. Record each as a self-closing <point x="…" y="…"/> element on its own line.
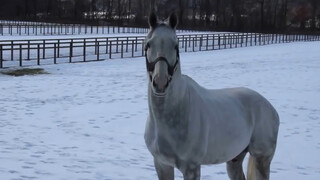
<point x="262" y="15"/>
<point x="314" y="11"/>
<point x="181" y="11"/>
<point x="285" y="14"/>
<point x="217" y="13"/>
<point x="275" y="15"/>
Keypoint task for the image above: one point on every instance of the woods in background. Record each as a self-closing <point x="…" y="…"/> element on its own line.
<point x="228" y="15"/>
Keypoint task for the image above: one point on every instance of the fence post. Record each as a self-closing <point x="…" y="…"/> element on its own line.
<point x="193" y="44"/>
<point x="136" y="48"/>
<point x="200" y="43"/>
<point x="132" y="48"/>
<point x="260" y="40"/>
<point x="110" y="52"/>
<point x="286" y="38"/>
<point x="11" y="50"/>
<point x="246" y="39"/>
<point x="95" y="46"/>
<point x="20" y="54"/>
<point x="44" y="49"/>
<point x="207" y="41"/>
<point x="219" y="41"/>
<point x="55" y="53"/>
<point x="84" y="50"/>
<point x="127" y="44"/>
<point x="1" y="60"/>
<point x="182" y="42"/>
<point x="122" y="49"/>
<point x="255" y="39"/>
<point x="236" y="37"/>
<point x="28" y="51"/>
<point x="38" y="55"/>
<point x="98" y="51"/>
<point x="71" y="53"/>
<point x="107" y="45"/>
<point x="186" y="45"/>
<point x="213" y="39"/>
<point x="117" y="50"/>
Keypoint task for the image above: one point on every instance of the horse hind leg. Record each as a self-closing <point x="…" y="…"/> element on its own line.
<point x="234" y="167"/>
<point x="259" y="167"/>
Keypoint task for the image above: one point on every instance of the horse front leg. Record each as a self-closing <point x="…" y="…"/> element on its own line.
<point x="164" y="172"/>
<point x="191" y="172"/>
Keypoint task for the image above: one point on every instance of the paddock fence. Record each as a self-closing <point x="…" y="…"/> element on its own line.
<point x="46" y="29"/>
<point x="15" y="53"/>
<point x="65" y="29"/>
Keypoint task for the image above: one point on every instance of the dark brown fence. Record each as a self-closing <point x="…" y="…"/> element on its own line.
<point x="51" y="51"/>
<point x="65" y="29"/>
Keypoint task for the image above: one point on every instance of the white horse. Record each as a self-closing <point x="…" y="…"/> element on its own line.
<point x="189" y="125"/>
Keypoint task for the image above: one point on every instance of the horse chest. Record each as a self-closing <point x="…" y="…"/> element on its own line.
<point x="166" y="151"/>
<point x="166" y="148"/>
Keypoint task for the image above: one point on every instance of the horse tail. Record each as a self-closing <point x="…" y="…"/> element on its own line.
<point x="251" y="172"/>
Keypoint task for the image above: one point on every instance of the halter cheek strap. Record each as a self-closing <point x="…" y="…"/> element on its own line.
<point x="171" y="69"/>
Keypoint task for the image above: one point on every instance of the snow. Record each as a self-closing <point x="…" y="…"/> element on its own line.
<point x="86" y="120"/>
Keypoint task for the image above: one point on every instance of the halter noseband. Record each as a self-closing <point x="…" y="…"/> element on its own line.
<point x="171" y="69"/>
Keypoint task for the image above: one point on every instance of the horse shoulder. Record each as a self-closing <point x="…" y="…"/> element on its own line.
<point x="150" y="134"/>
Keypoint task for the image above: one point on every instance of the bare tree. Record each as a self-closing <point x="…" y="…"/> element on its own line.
<point x="315" y="7"/>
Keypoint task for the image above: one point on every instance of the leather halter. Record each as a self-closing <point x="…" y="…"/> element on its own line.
<point x="171" y="69"/>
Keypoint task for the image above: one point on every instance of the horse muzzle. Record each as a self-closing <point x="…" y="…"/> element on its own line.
<point x="160" y="84"/>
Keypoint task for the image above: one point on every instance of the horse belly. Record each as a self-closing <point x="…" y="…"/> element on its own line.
<point x="228" y="141"/>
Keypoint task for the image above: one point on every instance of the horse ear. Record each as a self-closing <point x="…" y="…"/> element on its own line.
<point x="153" y="20"/>
<point x="173" y="21"/>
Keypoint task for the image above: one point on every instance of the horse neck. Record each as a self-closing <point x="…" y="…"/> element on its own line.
<point x="175" y="101"/>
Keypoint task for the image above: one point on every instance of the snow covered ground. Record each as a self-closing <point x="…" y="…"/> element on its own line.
<point x="86" y="120"/>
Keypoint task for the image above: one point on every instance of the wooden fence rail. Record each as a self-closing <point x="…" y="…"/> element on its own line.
<point x="51" y="51"/>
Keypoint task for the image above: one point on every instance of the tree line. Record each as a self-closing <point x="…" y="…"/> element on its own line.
<point x="230" y="15"/>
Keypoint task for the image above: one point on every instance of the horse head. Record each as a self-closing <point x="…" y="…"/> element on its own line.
<point x="162" y="53"/>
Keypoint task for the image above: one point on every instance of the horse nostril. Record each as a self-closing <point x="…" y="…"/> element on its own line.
<point x="160" y="83"/>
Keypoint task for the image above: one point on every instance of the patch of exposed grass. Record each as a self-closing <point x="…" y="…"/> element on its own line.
<point x="25" y="71"/>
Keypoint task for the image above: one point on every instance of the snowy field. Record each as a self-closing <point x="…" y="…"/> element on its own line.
<point x="86" y="120"/>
